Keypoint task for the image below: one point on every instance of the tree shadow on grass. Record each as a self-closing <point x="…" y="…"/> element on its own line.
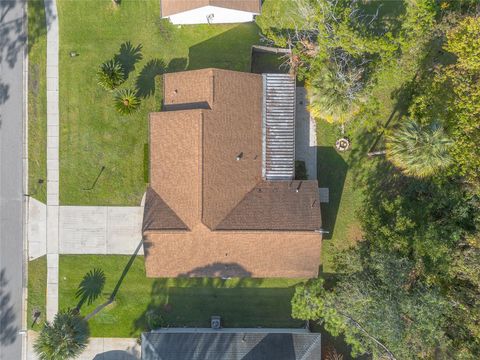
<point x="90" y="287"/>
<point x="117" y="286"/>
<point x="128" y="56"/>
<point x="145" y="82"/>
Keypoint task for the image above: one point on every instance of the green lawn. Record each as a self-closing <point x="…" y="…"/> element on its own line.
<point x="342" y="173"/>
<point x="37" y="291"/>
<point x="93" y="135"/>
<point x="338" y="216"/>
<point x="37" y="101"/>
<point x="180" y="301"/>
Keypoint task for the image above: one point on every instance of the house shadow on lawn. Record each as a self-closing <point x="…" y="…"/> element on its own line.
<point x="331" y="173"/>
<point x="190" y="302"/>
<point x="177" y="64"/>
<point x="229" y="50"/>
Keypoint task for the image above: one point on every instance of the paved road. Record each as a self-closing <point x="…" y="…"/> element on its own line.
<point x="12" y="40"/>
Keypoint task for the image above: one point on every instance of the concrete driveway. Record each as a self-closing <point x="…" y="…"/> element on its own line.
<point x="99" y="229"/>
<point x="87" y="229"/>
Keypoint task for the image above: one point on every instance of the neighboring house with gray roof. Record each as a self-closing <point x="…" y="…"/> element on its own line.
<point x="231" y="344"/>
<point x="210" y="11"/>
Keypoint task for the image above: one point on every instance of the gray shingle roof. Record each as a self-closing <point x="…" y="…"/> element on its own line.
<point x="231" y="344"/>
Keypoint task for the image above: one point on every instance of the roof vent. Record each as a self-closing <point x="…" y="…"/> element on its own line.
<point x="216" y="322"/>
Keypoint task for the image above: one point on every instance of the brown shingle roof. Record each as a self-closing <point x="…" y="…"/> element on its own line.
<point x="175" y="161"/>
<point x="233" y="126"/>
<point x="202" y="252"/>
<point x="276" y="205"/>
<point x="158" y="215"/>
<point x="171" y="7"/>
<point x="194" y="169"/>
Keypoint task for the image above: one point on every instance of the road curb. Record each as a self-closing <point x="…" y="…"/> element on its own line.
<point x="25" y="187"/>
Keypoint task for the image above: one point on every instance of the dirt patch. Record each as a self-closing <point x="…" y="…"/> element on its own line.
<point x="354" y="233"/>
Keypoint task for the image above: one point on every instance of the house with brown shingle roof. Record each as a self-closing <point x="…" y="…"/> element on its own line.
<point x="222" y="200"/>
<point x="210" y="11"/>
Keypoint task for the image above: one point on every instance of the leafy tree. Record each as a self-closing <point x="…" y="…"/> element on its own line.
<point x="462" y="40"/>
<point x="379" y="305"/>
<point x="451" y="91"/>
<point x="110" y="75"/>
<point x="126" y="101"/>
<point x="341" y="46"/>
<point x="63" y="339"/>
<point x="462" y="77"/>
<point x="418" y="150"/>
<point x="435" y="224"/>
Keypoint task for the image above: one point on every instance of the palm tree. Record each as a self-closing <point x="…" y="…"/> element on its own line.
<point x="111" y="74"/>
<point x="335" y="95"/>
<point x="63" y="339"/>
<point x="418" y="150"/>
<point x="126" y="101"/>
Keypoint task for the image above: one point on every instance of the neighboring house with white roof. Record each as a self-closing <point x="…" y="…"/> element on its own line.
<point x="210" y="11"/>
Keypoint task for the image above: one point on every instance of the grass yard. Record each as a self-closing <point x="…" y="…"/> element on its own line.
<point x="179" y="302"/>
<point x="37" y="292"/>
<point x="37" y="101"/>
<point x="263" y="62"/>
<point x="342" y="173"/>
<point x="338" y="216"/>
<point x="102" y="155"/>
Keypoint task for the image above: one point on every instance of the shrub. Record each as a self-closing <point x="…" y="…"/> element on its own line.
<point x="126" y="101"/>
<point x="110" y="75"/>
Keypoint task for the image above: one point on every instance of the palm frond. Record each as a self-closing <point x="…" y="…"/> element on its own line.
<point x="126" y="101"/>
<point x="111" y="74"/>
<point x="65" y="338"/>
<point x="417" y="150"/>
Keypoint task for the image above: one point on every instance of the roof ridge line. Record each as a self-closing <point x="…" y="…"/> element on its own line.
<point x="155" y="193"/>
<point x="233" y="208"/>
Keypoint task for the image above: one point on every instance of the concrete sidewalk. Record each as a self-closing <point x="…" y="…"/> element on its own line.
<point x="53" y="122"/>
<point x="305" y="135"/>
<point x="99" y="349"/>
